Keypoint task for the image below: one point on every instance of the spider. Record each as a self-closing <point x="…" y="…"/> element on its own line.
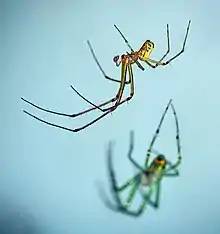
<point x="126" y="62"/>
<point x="150" y="176"/>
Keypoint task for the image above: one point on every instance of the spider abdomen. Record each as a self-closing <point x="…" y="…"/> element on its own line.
<point x="147" y="179"/>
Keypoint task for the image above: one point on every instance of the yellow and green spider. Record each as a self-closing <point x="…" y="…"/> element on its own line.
<point x="149" y="176"/>
<point x="126" y="62"/>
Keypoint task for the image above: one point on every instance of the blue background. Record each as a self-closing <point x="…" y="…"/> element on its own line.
<point x="52" y="174"/>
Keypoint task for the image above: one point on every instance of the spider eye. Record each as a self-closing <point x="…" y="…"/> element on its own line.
<point x="160" y="157"/>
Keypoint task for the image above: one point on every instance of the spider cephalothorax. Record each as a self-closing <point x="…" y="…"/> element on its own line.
<point x="160" y="161"/>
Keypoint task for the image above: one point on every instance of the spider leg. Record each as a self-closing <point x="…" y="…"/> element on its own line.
<point x="142" y="207"/>
<point x="112" y="177"/>
<point x="128" y="183"/>
<point x="155" y="203"/>
<point x="119" y="206"/>
<point x="137" y="182"/>
<point x="47" y="110"/>
<point x="131" y="195"/>
<point x="121" y="88"/>
<point x="110" y="110"/>
<point x="105" y="198"/>
<point x="157" y="132"/>
<point x="183" y="48"/>
<point x="126" y="41"/>
<point x="71" y="115"/>
<point x="87" y="100"/>
<point x="100" y="67"/>
<point x="131" y="79"/>
<point x="131" y="148"/>
<point x="106" y="111"/>
<point x="124" y="67"/>
<point x="69" y="129"/>
<point x="65" y="128"/>
<point x="172" y="173"/>
<point x="77" y="114"/>
<point x="95" y="106"/>
<point x="120" y="91"/>
<point x="131" y="181"/>
<point x="118" y="96"/>
<point x="179" y="154"/>
<point x="157" y="63"/>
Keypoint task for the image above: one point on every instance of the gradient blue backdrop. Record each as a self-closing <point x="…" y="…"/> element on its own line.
<point x="51" y="173"/>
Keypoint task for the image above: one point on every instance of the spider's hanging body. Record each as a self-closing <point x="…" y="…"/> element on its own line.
<point x="149" y="176"/>
<point x="126" y="62"/>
